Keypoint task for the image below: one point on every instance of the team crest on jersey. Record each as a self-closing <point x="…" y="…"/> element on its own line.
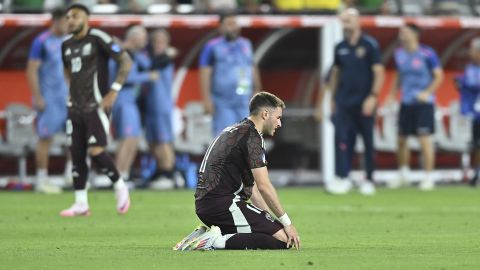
<point x="360" y="52"/>
<point x="68" y="52"/>
<point x="116" y="48"/>
<point x="87" y="49"/>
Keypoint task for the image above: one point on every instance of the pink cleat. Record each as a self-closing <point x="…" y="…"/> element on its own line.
<point x="123" y="200"/>
<point x="76" y="210"/>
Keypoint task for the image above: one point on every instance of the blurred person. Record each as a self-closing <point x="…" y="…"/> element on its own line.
<point x="419" y="74"/>
<point x="49" y="89"/>
<point x="160" y="105"/>
<point x="469" y="86"/>
<point x="228" y="75"/>
<point x="355" y="81"/>
<point x="125" y="113"/>
<point x="233" y="171"/>
<point x="85" y="56"/>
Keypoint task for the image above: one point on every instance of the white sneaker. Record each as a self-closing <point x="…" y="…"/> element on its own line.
<point x="122" y="196"/>
<point x="366" y="188"/>
<point x="48" y="188"/>
<point x="400" y="181"/>
<point x="206" y="240"/>
<point x="427" y="185"/>
<point x="201" y="229"/>
<point x="179" y="180"/>
<point x="76" y="210"/>
<point x="338" y="186"/>
<point x="162" y="183"/>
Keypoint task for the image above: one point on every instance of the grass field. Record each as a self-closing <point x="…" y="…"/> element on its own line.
<point x="397" y="229"/>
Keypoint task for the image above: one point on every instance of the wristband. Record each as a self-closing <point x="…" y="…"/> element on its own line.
<point x="116" y="86"/>
<point x="285" y="220"/>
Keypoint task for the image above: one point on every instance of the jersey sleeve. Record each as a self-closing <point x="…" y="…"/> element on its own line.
<point x="206" y="56"/>
<point x="375" y="55"/>
<point x="36" y="50"/>
<point x="107" y="44"/>
<point x="336" y="58"/>
<point x="255" y="151"/>
<point x="432" y="59"/>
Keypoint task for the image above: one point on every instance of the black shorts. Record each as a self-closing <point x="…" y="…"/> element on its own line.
<point x="476" y="134"/>
<point x="85" y="129"/>
<point x="242" y="217"/>
<point x="416" y="119"/>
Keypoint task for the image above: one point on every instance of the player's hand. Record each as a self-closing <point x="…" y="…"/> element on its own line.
<point x="39" y="103"/>
<point x="293" y="237"/>
<point x="423" y="96"/>
<point x="154" y="75"/>
<point x="318" y="114"/>
<point x="108" y="101"/>
<point x="369" y="105"/>
<point x="208" y="106"/>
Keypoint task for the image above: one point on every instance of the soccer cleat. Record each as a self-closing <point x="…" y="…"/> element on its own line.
<point x="193" y="235"/>
<point x="122" y="196"/>
<point x="204" y="241"/>
<point x="366" y="188"/>
<point x="76" y="210"/>
<point x="338" y="186"/>
<point x="48" y="188"/>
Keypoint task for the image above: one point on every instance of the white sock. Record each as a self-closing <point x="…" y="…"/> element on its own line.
<point x="221" y="241"/>
<point x="124" y="175"/>
<point x="42" y="175"/>
<point x="120" y="184"/>
<point x="68" y="168"/>
<point x="81" y="197"/>
<point x="404" y="171"/>
<point x="429" y="176"/>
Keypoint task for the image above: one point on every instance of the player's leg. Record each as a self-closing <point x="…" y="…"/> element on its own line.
<point x="366" y="127"/>
<point x="403" y="153"/>
<point x="244" y="226"/>
<point x="76" y="129"/>
<point x="45" y="130"/>
<point x="126" y="122"/>
<point x="476" y="150"/>
<point x="425" y="129"/>
<point x="97" y="132"/>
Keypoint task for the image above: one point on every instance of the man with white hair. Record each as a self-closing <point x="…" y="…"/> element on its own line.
<point x="125" y="113"/>
<point x="355" y="81"/>
<point x="469" y="86"/>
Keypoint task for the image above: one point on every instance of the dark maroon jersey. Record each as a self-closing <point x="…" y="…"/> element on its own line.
<point x="87" y="62"/>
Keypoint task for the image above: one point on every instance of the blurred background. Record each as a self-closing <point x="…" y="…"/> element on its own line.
<point x="287" y="37"/>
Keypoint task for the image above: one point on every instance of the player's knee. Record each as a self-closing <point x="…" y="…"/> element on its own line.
<point x="281" y="235"/>
<point x="95" y="150"/>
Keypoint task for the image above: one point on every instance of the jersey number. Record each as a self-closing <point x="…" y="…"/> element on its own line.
<point x="76" y="64"/>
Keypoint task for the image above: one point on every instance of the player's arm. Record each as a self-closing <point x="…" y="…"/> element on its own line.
<point x="437" y="72"/>
<point x="378" y="79"/>
<point x="206" y="62"/>
<point x="269" y="195"/>
<point x="258" y="200"/>
<point x="124" y="63"/>
<point x="32" y="75"/>
<point x="257" y="80"/>
<point x="437" y="80"/>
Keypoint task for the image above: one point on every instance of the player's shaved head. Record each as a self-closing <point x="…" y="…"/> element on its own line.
<point x="264" y="100"/>
<point x="475" y="50"/>
<point x="350" y="18"/>
<point x="136" y="37"/>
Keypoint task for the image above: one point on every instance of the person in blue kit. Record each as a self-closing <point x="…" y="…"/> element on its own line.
<point x="159" y="109"/>
<point x="355" y="80"/>
<point x="228" y="75"/>
<point x="49" y="89"/>
<point x="469" y="86"/>
<point x="419" y="74"/>
<point x="125" y="113"/>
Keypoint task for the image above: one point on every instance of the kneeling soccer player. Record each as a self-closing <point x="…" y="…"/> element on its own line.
<point x="234" y="171"/>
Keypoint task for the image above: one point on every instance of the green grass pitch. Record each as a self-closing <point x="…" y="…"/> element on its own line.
<point x="396" y="229"/>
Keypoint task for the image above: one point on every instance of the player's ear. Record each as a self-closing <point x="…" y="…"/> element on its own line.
<point x="265" y="114"/>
